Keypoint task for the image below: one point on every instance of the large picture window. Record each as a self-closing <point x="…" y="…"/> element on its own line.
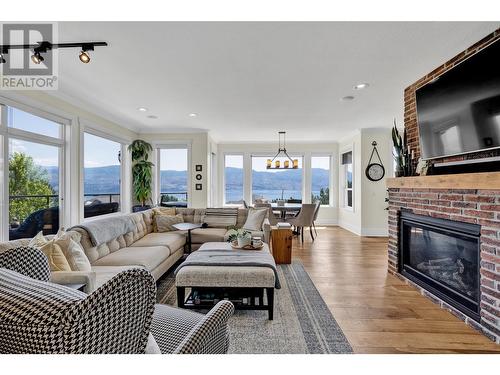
<point x="320" y="179"/>
<point x="35" y="148"/>
<point x="233" y="179"/>
<point x="174" y="176"/>
<point x="102" y="175"/>
<point x="273" y="184"/>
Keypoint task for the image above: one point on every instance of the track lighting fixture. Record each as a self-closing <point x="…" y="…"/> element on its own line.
<point x="43" y="47"/>
<point x="37" y="58"/>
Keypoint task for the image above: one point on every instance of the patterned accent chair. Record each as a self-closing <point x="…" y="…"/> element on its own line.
<point x="41" y="317"/>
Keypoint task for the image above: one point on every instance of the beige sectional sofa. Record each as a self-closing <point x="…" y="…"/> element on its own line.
<point x="156" y="252"/>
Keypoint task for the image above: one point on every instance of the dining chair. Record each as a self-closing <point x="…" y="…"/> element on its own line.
<point x="318" y="205"/>
<point x="304" y="219"/>
<point x="273" y="220"/>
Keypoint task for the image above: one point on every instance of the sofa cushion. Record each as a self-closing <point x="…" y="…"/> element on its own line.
<point x="147" y="257"/>
<point x="220" y="217"/>
<point x="105" y="273"/>
<point x="203" y="235"/>
<point x="165" y="223"/>
<point x="173" y="240"/>
<point x="187" y="214"/>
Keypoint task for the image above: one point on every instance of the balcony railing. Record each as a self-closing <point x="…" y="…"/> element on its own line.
<point x="109" y="197"/>
<point x="48" y="198"/>
<point x="180" y="196"/>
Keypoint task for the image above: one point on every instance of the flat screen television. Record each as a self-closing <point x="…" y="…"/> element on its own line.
<point x="459" y="112"/>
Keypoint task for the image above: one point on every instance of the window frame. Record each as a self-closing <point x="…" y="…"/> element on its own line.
<point x="345" y="189"/>
<point x="7" y="133"/>
<point x="88" y="127"/>
<point x="330" y="176"/>
<point x="270" y="155"/>
<point x="242" y="154"/>
<point x="157" y="147"/>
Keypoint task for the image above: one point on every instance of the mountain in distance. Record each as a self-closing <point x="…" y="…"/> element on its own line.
<point x="105" y="180"/>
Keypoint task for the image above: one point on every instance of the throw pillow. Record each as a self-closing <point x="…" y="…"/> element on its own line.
<point x="38" y="241"/>
<point x="164" y="223"/>
<point x="73" y="251"/>
<point x="55" y="255"/>
<point x="220" y="217"/>
<point x="159" y="211"/>
<point x="255" y="219"/>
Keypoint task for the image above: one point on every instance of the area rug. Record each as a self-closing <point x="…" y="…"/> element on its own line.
<point x="302" y="321"/>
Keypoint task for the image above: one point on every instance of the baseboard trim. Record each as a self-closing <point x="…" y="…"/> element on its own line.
<point x="351" y="228"/>
<point x="375" y="232"/>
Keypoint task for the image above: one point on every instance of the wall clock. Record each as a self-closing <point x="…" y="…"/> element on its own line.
<point x="375" y="171"/>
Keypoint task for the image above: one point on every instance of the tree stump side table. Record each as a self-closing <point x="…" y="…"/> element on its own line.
<point x="281" y="241"/>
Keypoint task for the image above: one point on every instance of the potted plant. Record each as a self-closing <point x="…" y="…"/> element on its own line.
<point x="401" y="153"/>
<point x="142" y="175"/>
<point x="242" y="236"/>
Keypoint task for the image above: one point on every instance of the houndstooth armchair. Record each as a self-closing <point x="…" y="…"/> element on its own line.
<point x="41" y="317"/>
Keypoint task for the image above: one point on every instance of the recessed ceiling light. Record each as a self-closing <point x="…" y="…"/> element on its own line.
<point x="142" y="109"/>
<point x="347" y="98"/>
<point x="361" y="86"/>
<point x="153" y="117"/>
<point x="193" y="114"/>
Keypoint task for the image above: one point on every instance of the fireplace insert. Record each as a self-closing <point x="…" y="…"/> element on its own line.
<point x="442" y="256"/>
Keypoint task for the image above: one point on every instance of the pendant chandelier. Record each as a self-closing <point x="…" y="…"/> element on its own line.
<point x="288" y="162"/>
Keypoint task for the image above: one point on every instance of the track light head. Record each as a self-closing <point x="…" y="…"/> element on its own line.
<point x="37" y="58"/>
<point x="84" y="57"/>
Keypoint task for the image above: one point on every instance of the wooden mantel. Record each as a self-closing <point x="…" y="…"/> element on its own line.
<point x="487" y="180"/>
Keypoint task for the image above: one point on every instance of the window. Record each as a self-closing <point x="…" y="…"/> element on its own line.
<point x="174" y="176"/>
<point x="102" y="175"/>
<point x="35" y="175"/>
<point x="273" y="184"/>
<point x="320" y="179"/>
<point x="348" y="179"/>
<point x="233" y="179"/>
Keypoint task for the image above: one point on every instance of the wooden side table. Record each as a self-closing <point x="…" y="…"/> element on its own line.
<point x="281" y="240"/>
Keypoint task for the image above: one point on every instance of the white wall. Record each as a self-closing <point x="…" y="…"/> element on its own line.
<point x="368" y="216"/>
<point x="327" y="215"/>
<point x="199" y="152"/>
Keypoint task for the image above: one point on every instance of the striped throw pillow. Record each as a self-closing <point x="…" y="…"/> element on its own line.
<point x="220" y="217"/>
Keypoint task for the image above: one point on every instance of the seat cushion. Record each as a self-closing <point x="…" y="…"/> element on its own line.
<point x="148" y="257"/>
<point x="173" y="240"/>
<point x="203" y="235"/>
<point x="105" y="273"/>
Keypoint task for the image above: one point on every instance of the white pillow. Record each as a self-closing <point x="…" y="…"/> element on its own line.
<point x="255" y="218"/>
<point x="69" y="243"/>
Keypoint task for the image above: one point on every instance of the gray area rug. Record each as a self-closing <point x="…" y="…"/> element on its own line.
<point x="302" y="321"/>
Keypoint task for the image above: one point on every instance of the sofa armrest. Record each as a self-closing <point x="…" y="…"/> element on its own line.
<point x="75" y="277"/>
<point x="266" y="228"/>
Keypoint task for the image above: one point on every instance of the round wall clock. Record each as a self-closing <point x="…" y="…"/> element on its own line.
<point x="375" y="171"/>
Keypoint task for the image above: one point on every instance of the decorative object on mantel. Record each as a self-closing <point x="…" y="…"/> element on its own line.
<point x="375" y="171"/>
<point x="142" y="175"/>
<point x="422" y="167"/>
<point x="283" y="153"/>
<point x="402" y="154"/>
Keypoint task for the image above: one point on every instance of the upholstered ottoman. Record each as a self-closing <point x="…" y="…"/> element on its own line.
<point x="243" y="285"/>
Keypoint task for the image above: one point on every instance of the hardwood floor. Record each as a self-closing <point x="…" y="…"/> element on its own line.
<point x="378" y="312"/>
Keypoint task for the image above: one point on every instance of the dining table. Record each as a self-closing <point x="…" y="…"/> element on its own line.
<point x="287" y="207"/>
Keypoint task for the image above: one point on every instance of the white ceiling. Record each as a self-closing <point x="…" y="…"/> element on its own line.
<point x="246" y="81"/>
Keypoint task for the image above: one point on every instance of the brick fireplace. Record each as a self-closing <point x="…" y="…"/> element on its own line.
<point x="477" y="206"/>
<point x="462" y="198"/>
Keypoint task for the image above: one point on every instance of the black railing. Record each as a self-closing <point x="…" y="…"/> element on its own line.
<point x="106" y="195"/>
<point x="47" y="197"/>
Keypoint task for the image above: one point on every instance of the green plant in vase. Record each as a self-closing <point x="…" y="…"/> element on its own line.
<point x="142" y="173"/>
<point x="401" y="153"/>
